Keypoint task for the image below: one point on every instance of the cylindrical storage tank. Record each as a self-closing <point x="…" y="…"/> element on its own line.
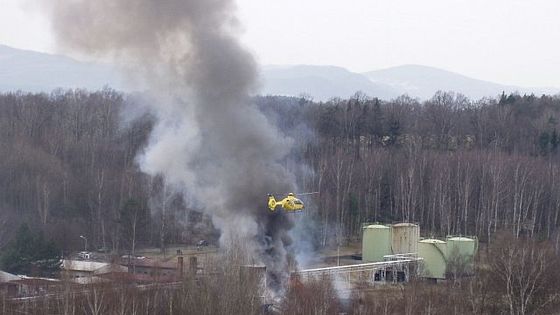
<point x="460" y="254"/>
<point x="376" y="242"/>
<point x="433" y="253"/>
<point x="463" y="246"/>
<point x="405" y="238"/>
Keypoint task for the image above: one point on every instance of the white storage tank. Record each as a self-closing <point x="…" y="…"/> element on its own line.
<point x="405" y="238"/>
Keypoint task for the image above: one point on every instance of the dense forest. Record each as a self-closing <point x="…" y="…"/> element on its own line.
<point x="454" y="165"/>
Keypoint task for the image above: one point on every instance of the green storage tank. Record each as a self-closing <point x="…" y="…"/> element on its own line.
<point x="464" y="246"/>
<point x="376" y="242"/>
<point x="460" y="253"/>
<point x="434" y="254"/>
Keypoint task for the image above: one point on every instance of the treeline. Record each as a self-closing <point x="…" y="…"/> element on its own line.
<point x="453" y="165"/>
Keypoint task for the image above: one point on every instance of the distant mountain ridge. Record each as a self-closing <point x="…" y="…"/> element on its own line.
<point x="39" y="72"/>
<point x="324" y="82"/>
<point x="423" y="82"/>
<point x="320" y="82"/>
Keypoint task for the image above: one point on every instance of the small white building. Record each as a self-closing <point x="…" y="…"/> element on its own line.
<point x="72" y="269"/>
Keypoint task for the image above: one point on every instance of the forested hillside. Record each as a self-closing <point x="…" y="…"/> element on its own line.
<point x="454" y="165"/>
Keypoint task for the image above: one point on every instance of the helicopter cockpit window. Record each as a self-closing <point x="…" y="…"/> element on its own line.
<point x="298" y="202"/>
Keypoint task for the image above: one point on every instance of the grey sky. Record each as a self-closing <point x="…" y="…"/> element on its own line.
<point x="507" y="41"/>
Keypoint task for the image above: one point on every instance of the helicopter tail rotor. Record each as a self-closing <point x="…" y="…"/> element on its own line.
<point x="271" y="202"/>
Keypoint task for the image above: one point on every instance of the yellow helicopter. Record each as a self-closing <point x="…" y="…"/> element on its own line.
<point x="290" y="203"/>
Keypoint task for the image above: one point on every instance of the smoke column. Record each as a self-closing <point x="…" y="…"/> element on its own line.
<point x="209" y="139"/>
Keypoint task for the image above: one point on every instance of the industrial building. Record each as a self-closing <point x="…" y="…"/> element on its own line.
<point x="440" y="257"/>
